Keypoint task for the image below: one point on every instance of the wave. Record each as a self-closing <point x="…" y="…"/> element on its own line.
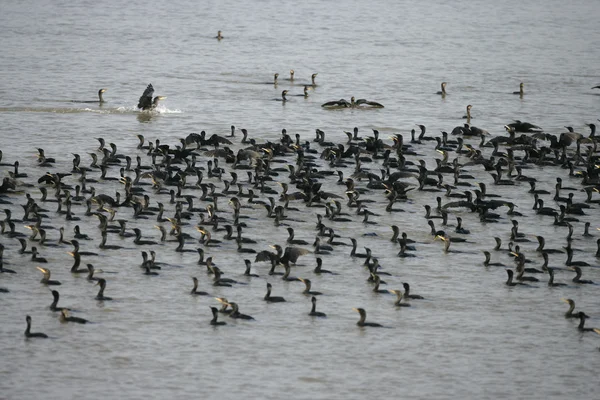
<point x="78" y="110"/>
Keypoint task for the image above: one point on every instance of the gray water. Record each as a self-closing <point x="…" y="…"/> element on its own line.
<point x="472" y="336"/>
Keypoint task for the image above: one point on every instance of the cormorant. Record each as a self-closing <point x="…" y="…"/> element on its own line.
<point x="443" y="91"/>
<point x="551" y="279"/>
<point x="520" y="92"/>
<point x="570" y="313"/>
<point x="100" y="98"/>
<point x="46" y="279"/>
<point x="313" y="311"/>
<point x="29" y="334"/>
<point x="247" y="272"/>
<point x="510" y="282"/>
<point x="272" y="299"/>
<point x="577" y="278"/>
<point x="100" y="296"/>
<point x="195" y="291"/>
<point x="399" y="296"/>
<point x="582" y="317"/>
<point x="363" y="316"/>
<point x="146" y="101"/>
<point x="54" y="304"/>
<point x="235" y="313"/>
<point x="215" y="313"/>
<point x="319" y="270"/>
<point x="307" y="284"/>
<point x="64" y="317"/>
<point x="407" y="294"/>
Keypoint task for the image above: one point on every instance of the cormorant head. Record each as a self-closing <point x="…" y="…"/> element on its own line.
<point x="157" y="99"/>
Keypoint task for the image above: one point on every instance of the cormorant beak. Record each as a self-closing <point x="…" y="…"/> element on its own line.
<point x="355" y="309"/>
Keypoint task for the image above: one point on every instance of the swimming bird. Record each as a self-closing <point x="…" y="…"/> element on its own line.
<point x="219" y="36"/>
<point x="146" y="101"/>
<point x="307" y="286"/>
<point x="138" y="238"/>
<point x="272" y="299"/>
<point x="467" y="116"/>
<point x="100" y="98"/>
<point x="319" y="270"/>
<point x="363" y="316"/>
<point x="487" y="262"/>
<point x="195" y="291"/>
<point x="520" y="92"/>
<point x="283" y="98"/>
<point x="443" y="91"/>
<point x="53" y="306"/>
<point x="577" y="278"/>
<point x="313" y="311"/>
<point x="247" y="272"/>
<point x="570" y="313"/>
<point x="29" y="334"/>
<point x="408" y="295"/>
<point x="581" y="327"/>
<point x="399" y="297"/>
<point x="235" y="313"/>
<point x="215" y="313"/>
<point x="46" y="279"/>
<point x="551" y="282"/>
<point x="100" y="296"/>
<point x="510" y="282"/>
<point x="34" y="256"/>
<point x="64" y="317"/>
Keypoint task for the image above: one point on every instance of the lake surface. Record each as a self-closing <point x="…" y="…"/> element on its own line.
<point x="472" y="336"/>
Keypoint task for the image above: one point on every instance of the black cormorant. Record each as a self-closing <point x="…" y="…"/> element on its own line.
<point x="272" y="299"/>
<point x="100" y="296"/>
<point x="443" y="91"/>
<point x="29" y="334"/>
<point x="307" y="284"/>
<point x="146" y="101"/>
<point x="363" y="316"/>
<point x="581" y="327"/>
<point x="65" y="317"/>
<point x="407" y="294"/>
<point x="577" y="278"/>
<point x="195" y="291"/>
<point x="313" y="311"/>
<point x="399" y="297"/>
<point x="520" y="92"/>
<point x="215" y="313"/>
<point x="100" y="98"/>
<point x="46" y="279"/>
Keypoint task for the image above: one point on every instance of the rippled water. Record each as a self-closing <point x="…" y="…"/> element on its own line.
<point x="472" y="336"/>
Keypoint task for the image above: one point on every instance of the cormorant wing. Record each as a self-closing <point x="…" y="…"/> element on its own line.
<point x="145" y="101"/>
<point x="373" y="103"/>
<point x="478" y="131"/>
<point x="339" y="103"/>
<point x="265" y="255"/>
<point x="461" y="203"/>
<point x="218" y="139"/>
<point x="329" y="195"/>
<point x="296" y="196"/>
<point x="292" y="254"/>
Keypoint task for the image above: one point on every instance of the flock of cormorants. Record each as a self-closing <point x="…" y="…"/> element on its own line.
<point x="211" y="170"/>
